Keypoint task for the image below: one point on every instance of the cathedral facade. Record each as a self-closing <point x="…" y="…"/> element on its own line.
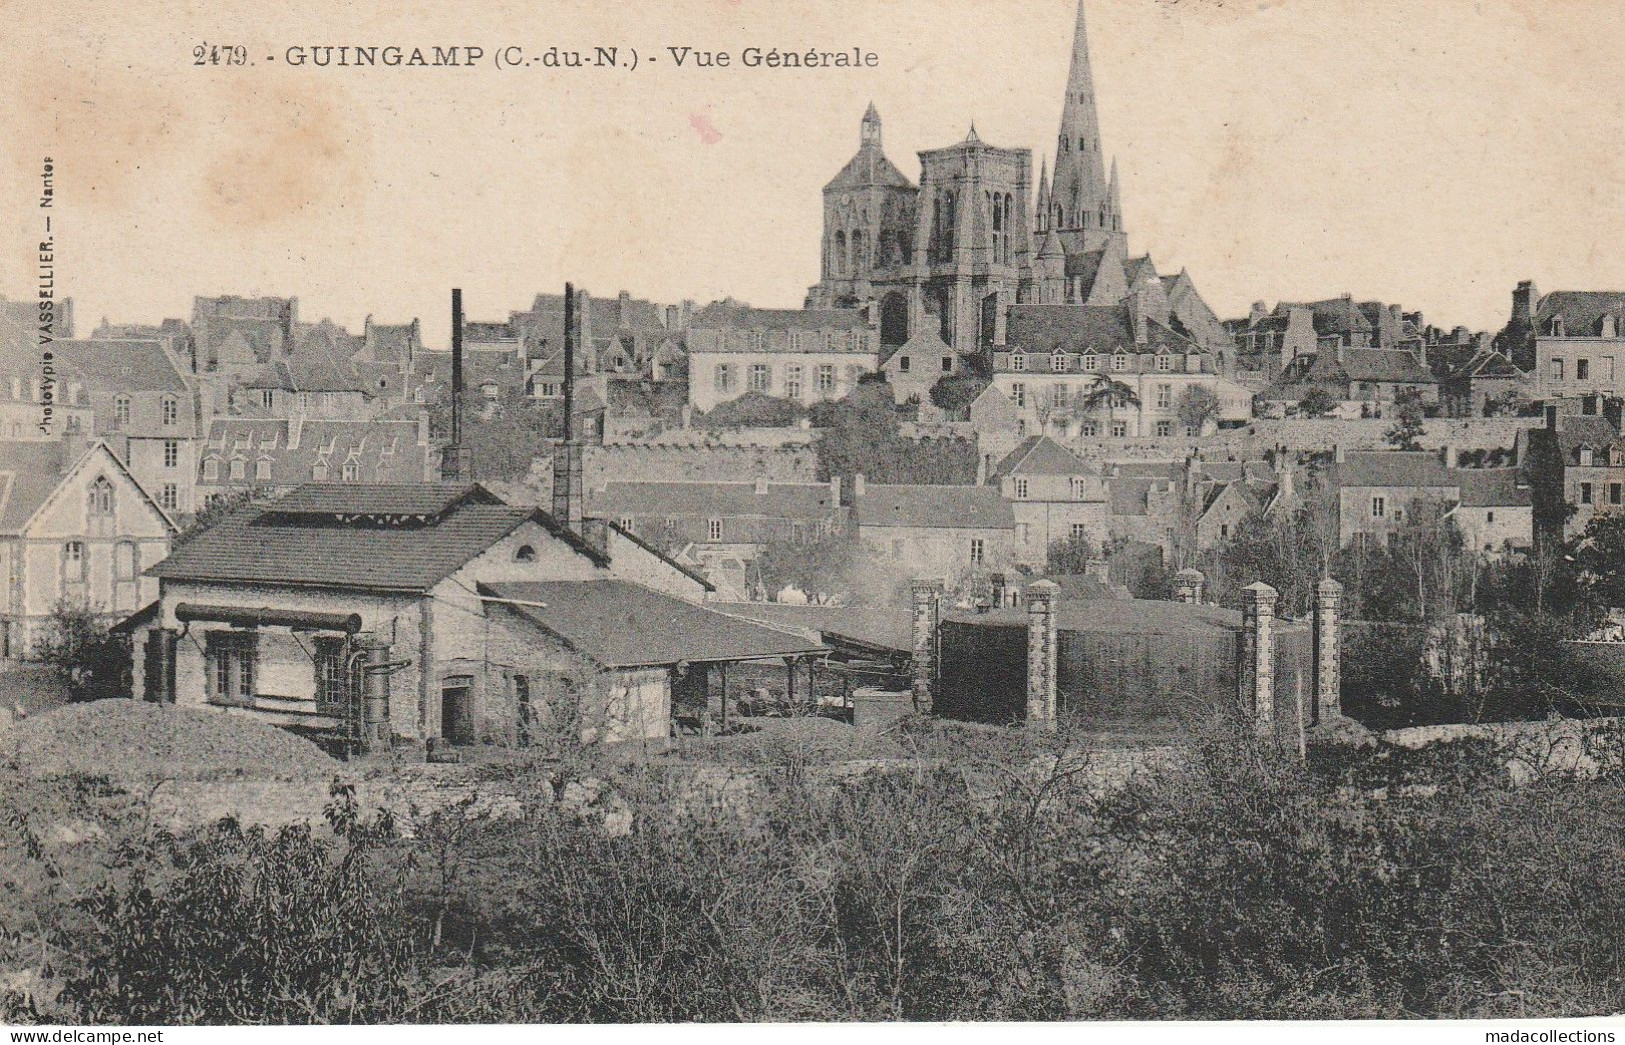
<point x="952" y="255"/>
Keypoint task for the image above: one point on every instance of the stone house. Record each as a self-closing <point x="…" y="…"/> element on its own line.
<point x="935" y="531"/>
<point x="1484" y="379"/>
<point x="1577" y="466"/>
<point x="1053" y="494"/>
<point x="1493" y="507"/>
<point x="270" y="456"/>
<point x="76" y="531"/>
<point x="721" y="519"/>
<point x="1573" y="341"/>
<point x="803" y="355"/>
<point x="413" y="611"/>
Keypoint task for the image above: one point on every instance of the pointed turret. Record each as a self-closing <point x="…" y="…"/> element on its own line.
<point x="1080" y="189"/>
<point x="870" y="132"/>
<point x="1114" y="199"/>
<point x="1041" y="211"/>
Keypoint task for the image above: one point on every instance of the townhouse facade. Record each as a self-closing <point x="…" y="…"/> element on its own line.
<point x="806" y="356"/>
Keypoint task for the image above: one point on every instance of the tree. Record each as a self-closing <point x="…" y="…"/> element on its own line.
<point x="1072" y="554"/>
<point x="503" y="437"/>
<point x="820" y="565"/>
<point x="1317" y="402"/>
<point x="955" y="393"/>
<point x="1107" y="391"/>
<point x="1196" y="406"/>
<point x="1599" y="554"/>
<point x="860" y="435"/>
<point x="79" y="645"/>
<point x="752" y="410"/>
<point x="1409" y="421"/>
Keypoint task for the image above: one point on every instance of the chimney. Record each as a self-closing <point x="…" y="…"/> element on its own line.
<point x="686" y="315"/>
<point x="1258" y="313"/>
<point x="1340" y="454"/>
<point x="857" y="485"/>
<point x="567" y="455"/>
<point x="623" y="306"/>
<point x="453" y="465"/>
<point x="1523" y="301"/>
<point x="981" y="469"/>
<point x="761" y="486"/>
<point x="834" y="491"/>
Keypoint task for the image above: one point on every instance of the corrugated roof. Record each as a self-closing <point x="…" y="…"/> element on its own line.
<point x="623" y="625"/>
<point x="934" y="507"/>
<point x="265" y="546"/>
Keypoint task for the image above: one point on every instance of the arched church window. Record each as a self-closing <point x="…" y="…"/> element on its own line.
<point x="840" y="253"/>
<point x="101" y="496"/>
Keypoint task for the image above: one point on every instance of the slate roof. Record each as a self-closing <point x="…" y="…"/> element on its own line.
<point x="721" y="314"/>
<point x="1489" y="365"/>
<point x="1577" y="430"/>
<point x="120" y="365"/>
<point x="1582" y="311"/>
<point x="385" y="451"/>
<point x="271" y="545"/>
<point x="869" y="167"/>
<point x="420" y="499"/>
<point x="1331" y="316"/>
<point x="1041" y="455"/>
<point x="934" y="507"/>
<point x="29" y="471"/>
<point x="1494" y="488"/>
<point x="807" y="501"/>
<point x="1130" y="495"/>
<point x="1385" y="365"/>
<point x="1101" y="329"/>
<point x="1421" y="468"/>
<point x="623" y="625"/>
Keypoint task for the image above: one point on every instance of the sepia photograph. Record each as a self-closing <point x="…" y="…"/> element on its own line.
<point x="1100" y="512"/>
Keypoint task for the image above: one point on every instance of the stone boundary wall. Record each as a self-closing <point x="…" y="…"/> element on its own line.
<point x="699" y="462"/>
<point x="1567" y="748"/>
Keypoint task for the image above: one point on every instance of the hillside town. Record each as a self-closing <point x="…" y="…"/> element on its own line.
<point x="999" y="471"/>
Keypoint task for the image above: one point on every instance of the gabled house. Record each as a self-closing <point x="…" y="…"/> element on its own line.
<point x="1479" y="386"/>
<point x="1054" y="495"/>
<point x="76" y="531"/>
<point x="1577" y="464"/>
<point x="1377" y="489"/>
<point x="935" y="531"/>
<point x="430" y="610"/>
<point x="266" y="457"/>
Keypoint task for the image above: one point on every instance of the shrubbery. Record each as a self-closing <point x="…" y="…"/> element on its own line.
<point x="988" y="878"/>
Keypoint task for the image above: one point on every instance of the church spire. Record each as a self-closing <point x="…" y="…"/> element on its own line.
<point x="1080" y="186"/>
<point x="1041" y="211"/>
<point x="870" y="132"/>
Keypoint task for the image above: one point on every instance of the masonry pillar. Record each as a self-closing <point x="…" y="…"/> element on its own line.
<point x="1041" y="655"/>
<point x="1188" y="585"/>
<point x="1257" y="675"/>
<point x="1328" y="648"/>
<point x="927" y="620"/>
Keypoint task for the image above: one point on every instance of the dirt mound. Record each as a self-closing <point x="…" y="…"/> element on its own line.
<point x="774" y="741"/>
<point x="132" y="740"/>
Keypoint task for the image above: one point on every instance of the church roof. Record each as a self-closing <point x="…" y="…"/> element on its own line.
<point x="1086" y="328"/>
<point x="868" y="168"/>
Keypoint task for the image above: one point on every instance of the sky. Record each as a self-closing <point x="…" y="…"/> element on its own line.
<point x="1430" y="154"/>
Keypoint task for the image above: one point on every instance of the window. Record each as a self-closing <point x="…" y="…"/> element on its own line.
<point x="211" y="470"/>
<point x="352" y="471"/>
<point x="897" y="548"/>
<point x="1018" y="394"/>
<point x="713" y="529"/>
<point x="121" y="411"/>
<point x="1165" y="362"/>
<point x="947" y="364"/>
<point x="1091" y="362"/>
<point x="1607" y="369"/>
<point x="525" y="553"/>
<point x="262" y="468"/>
<point x="231" y="663"/>
<point x="1489" y="516"/>
<point x="826" y="379"/>
<point x="169" y="497"/>
<point x="760" y="381"/>
<point x="903" y="364"/>
<point x="1079" y="532"/>
<point x="332" y="682"/>
<point x="1585" y="457"/>
<point x="268" y="397"/>
<point x="795" y="341"/>
<point x="1021" y="489"/>
<point x="1615" y="492"/>
<point x="170" y="409"/>
<point x="1057" y="362"/>
<point x="1582" y="369"/>
<point x="1165" y="394"/>
<point x="1585" y="493"/>
<point x="758" y="340"/>
<point x="172" y="452"/>
<point x="724" y="378"/>
<point x="1165" y="428"/>
<point x="1089" y="429"/>
<point x="101" y="496"/>
<point x="1555" y="369"/>
<point x="1119" y="429"/>
<point x="792" y="381"/>
<point x="1224" y="531"/>
<point x="1120" y="361"/>
<point x="238" y="467"/>
<point x="1018" y="361"/>
<point x="73" y="562"/>
<point x="1379" y="507"/>
<point x="1078" y="488"/>
<point x="125" y="563"/>
<point x="978" y="550"/>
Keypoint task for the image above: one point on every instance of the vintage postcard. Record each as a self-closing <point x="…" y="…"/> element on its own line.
<point x="733" y="511"/>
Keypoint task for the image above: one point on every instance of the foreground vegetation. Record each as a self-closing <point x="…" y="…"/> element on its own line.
<point x="984" y="880"/>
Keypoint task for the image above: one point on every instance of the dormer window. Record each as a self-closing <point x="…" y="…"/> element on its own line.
<point x="1610" y="326"/>
<point x="1018" y="361"/>
<point x="526" y="553"/>
<point x="1165" y="362"/>
<point x="1091" y="362"/>
<point x="1120" y="361"/>
<point x="1057" y="361"/>
<point x="1585" y="457"/>
<point x="1557" y="326"/>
